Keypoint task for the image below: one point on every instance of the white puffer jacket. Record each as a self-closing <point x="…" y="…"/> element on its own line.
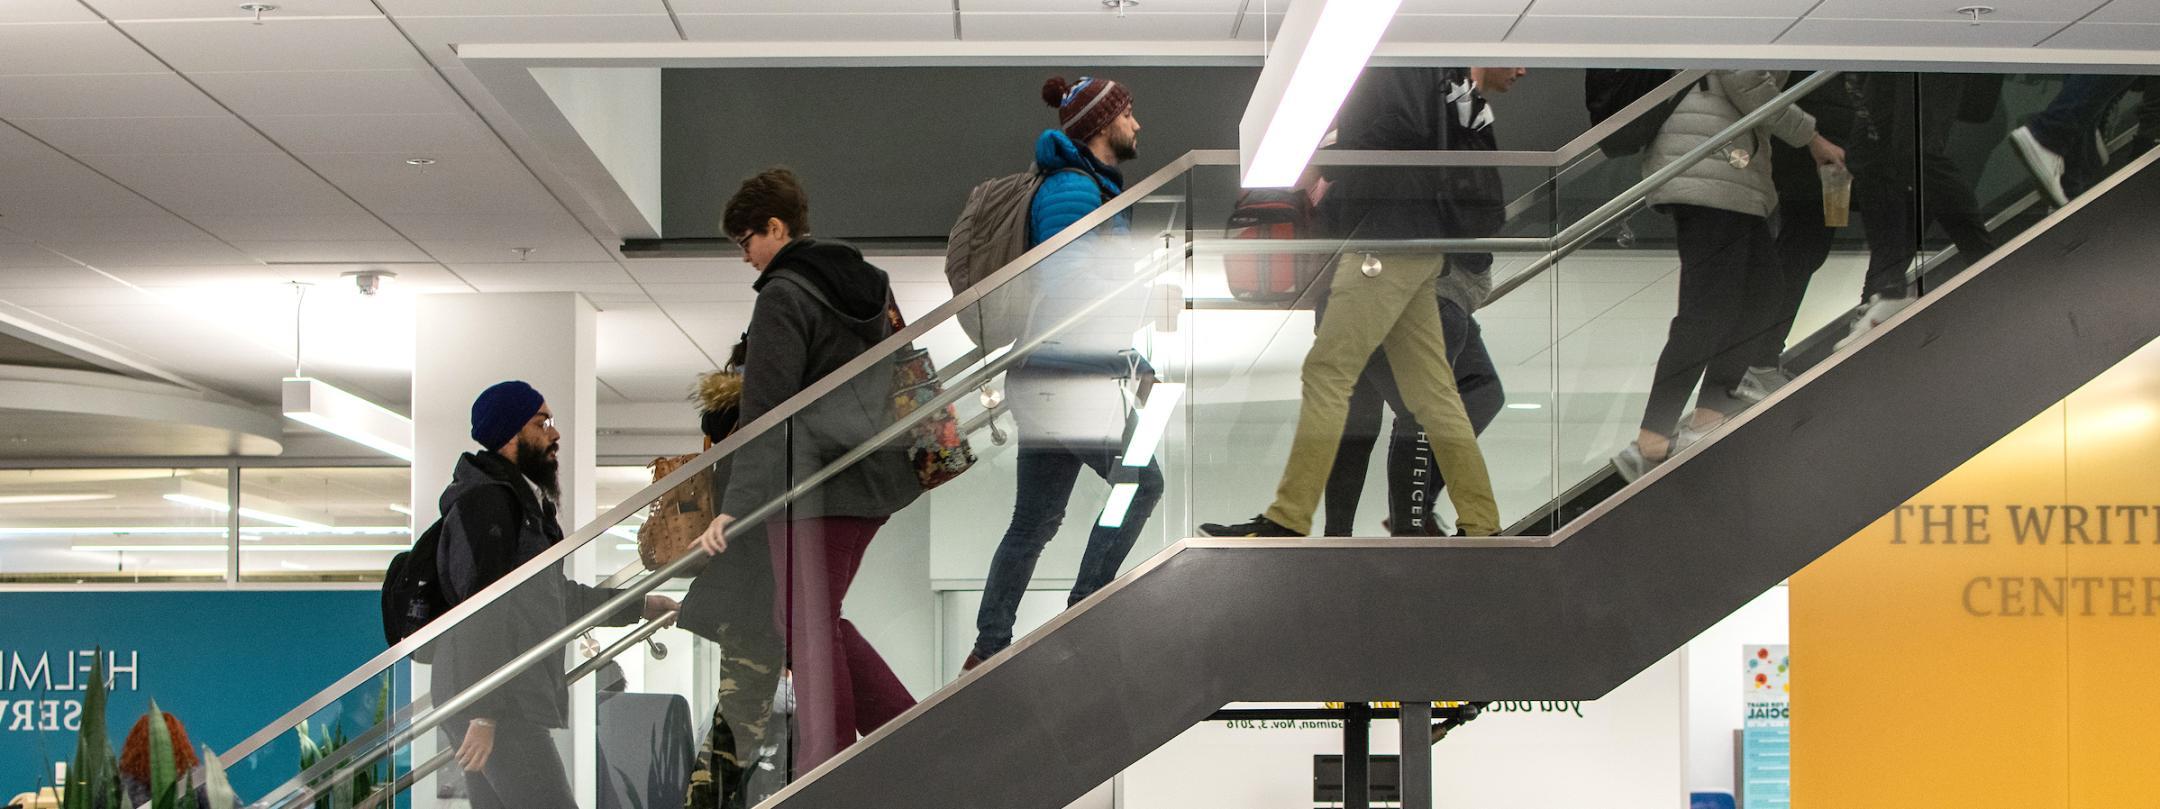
<point x="1710" y="107"/>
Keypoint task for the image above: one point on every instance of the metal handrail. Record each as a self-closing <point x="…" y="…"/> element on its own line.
<point x="848" y="371"/>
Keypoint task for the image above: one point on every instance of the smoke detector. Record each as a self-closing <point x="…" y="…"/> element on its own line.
<point x="370" y="281"/>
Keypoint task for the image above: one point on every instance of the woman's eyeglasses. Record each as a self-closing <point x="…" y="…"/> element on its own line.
<point x="743" y="241"/>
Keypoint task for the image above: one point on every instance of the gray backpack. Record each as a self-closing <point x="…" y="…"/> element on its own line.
<point x="991" y="232"/>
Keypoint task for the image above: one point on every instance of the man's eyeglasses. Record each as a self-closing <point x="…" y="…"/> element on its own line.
<point x="743" y="241"/>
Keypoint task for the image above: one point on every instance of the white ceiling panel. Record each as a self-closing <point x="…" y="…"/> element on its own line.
<point x="1093" y="7"/>
<point x="1509" y="7"/>
<point x="579" y="249"/>
<point x="701" y="271"/>
<point x="123" y="10"/>
<point x="30" y="264"/>
<point x="1448" y="28"/>
<point x="438" y="34"/>
<point x="357" y="226"/>
<point x="2005" y="10"/>
<point x="1096" y="26"/>
<point x="62" y="48"/>
<point x="102" y="96"/>
<point x="640" y="342"/>
<point x="526" y="228"/>
<point x="304" y="44"/>
<point x="463" y="184"/>
<point x="70" y="276"/>
<point x="45" y="183"/>
<point x="864" y="27"/>
<point x="45" y="11"/>
<point x="160" y="228"/>
<point x="408" y="135"/>
<point x="515" y="8"/>
<point x="670" y="387"/>
<point x="535" y="276"/>
<point x="1915" y="33"/>
<point x="720" y="289"/>
<point x="729" y="314"/>
<point x="411" y="279"/>
<point x="687" y="7"/>
<point x="334" y="92"/>
<point x="83" y="137"/>
<point x="1678" y="30"/>
<point x="2145" y="11"/>
<point x="362" y="252"/>
<point x="184" y="257"/>
<point x="1788" y="9"/>
<point x="226" y="184"/>
<point x="2107" y="36"/>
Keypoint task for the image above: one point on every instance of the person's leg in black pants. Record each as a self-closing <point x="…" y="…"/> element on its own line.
<point x="1889" y="212"/>
<point x="1946" y="197"/>
<point x="1803" y="244"/>
<point x="1414" y="480"/>
<point x="1761" y="299"/>
<point x="1715" y="251"/>
<point x="523" y="772"/>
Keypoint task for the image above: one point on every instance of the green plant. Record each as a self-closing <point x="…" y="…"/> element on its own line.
<point x="93" y="780"/>
<point x="363" y="783"/>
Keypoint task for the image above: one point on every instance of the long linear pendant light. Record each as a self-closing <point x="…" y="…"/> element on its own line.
<point x="1318" y="53"/>
<point x="328" y="408"/>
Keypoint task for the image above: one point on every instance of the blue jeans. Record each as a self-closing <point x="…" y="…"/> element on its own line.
<point x="1048" y="469"/>
<point x="2067" y="125"/>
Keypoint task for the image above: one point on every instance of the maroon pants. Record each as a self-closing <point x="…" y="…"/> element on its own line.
<point x="842" y="686"/>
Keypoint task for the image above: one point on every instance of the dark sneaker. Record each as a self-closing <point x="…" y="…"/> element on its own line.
<point x="1259" y="527"/>
<point x="971" y="662"/>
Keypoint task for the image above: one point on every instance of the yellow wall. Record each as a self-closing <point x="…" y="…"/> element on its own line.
<point x="1941" y="666"/>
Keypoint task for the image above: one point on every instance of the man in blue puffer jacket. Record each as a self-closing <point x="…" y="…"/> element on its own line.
<point x="1065" y="398"/>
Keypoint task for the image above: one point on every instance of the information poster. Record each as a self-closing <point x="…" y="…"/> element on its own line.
<point x="1766" y="737"/>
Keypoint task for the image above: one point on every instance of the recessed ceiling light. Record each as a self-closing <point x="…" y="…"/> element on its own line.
<point x="420" y="161"/>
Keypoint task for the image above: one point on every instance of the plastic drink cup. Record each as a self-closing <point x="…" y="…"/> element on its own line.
<point x="1836" y="195"/>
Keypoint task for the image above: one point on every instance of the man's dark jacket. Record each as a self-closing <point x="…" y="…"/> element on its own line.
<point x="1408" y="109"/>
<point x="494" y="522"/>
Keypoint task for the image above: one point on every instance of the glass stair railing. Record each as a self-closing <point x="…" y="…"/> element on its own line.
<point x="1146" y="280"/>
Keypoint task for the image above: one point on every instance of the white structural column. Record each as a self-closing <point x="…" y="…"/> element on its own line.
<point x="466" y="343"/>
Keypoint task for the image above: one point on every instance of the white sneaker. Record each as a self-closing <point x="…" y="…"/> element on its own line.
<point x="1632" y="464"/>
<point x="1759" y="383"/>
<point x="1878" y="311"/>
<point x="2100" y="142"/>
<point x="1688" y="435"/>
<point x="2046" y="165"/>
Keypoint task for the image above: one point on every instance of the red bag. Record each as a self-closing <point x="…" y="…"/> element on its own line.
<point x="1273" y="214"/>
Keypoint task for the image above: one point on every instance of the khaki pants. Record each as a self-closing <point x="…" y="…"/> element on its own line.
<point x="1394" y="311"/>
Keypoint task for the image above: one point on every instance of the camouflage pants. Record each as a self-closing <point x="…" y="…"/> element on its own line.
<point x="750" y="660"/>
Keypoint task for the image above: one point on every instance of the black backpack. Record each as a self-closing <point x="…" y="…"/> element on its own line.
<point x="412" y="590"/>
<point x="1607" y="91"/>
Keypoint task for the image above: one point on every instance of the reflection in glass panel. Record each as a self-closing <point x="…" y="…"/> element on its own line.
<point x="319" y="524"/>
<point x="112" y="524"/>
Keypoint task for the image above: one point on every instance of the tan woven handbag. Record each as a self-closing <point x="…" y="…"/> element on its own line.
<point x="678" y="517"/>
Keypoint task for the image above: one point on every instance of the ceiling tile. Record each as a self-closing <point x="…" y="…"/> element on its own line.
<point x="278" y="44"/>
<point x="717" y="271"/>
<point x="458" y="251"/>
<point x="410" y="278"/>
<point x="648" y="387"/>
<point x="222" y="134"/>
<point x="108" y="255"/>
<point x="160" y="228"/>
<point x="28" y="263"/>
<point x="63" y="48"/>
<point x="1449" y="28"/>
<point x="226" y="184"/>
<point x="530" y="276"/>
<point x="1925" y="10"/>
<point x="1788" y="10"/>
<point x="466" y="184"/>
<point x="2145" y="11"/>
<point x="45" y="11"/>
<point x="1663" y="30"/>
<point x="380" y="134"/>
<point x="124" y="10"/>
<point x="718" y="290"/>
<point x="642" y="342"/>
<point x="1092" y="7"/>
<point x="810" y="27"/>
<point x="357" y="226"/>
<point x="48" y="277"/>
<point x="1103" y="25"/>
<point x="438" y="34"/>
<point x="2107" y="36"/>
<point x="468" y="8"/>
<point x="103" y="96"/>
<point x="520" y="228"/>
<point x="688" y="7"/>
<point x="334" y="92"/>
<point x="41" y="182"/>
<point x="1508" y="7"/>
<point x="343" y="252"/>
<point x="1915" y="33"/>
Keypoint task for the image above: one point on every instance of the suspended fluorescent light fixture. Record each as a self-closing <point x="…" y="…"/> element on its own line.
<point x="42" y="499"/>
<point x="1113" y="512"/>
<point x="323" y="406"/>
<point x="1319" y="51"/>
